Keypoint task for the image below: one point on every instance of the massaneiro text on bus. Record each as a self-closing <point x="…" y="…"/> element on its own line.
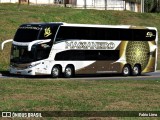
<point x="57" y="48"/>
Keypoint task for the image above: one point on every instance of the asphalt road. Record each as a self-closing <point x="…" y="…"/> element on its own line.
<point x="146" y="76"/>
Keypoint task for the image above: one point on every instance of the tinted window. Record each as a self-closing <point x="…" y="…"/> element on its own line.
<point x="70" y="33"/>
<point x="91" y="33"/>
<point x="27" y="34"/>
<point x="88" y="55"/>
<point x="125" y="34"/>
<point x="42" y="51"/>
<point x="112" y="34"/>
<point x="144" y="35"/>
<point x="20" y="54"/>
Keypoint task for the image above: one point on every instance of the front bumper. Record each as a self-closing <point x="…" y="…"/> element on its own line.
<point x="22" y="72"/>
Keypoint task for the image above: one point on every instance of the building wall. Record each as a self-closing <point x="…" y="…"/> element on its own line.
<point x="8" y="1"/>
<point x="102" y="4"/>
<point x="133" y="7"/>
<point x="31" y="1"/>
<point x="42" y="1"/>
<point x="115" y="5"/>
<point x="89" y="4"/>
<point x="109" y="5"/>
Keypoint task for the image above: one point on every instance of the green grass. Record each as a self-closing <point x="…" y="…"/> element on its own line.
<point x="79" y="95"/>
<point x="13" y="15"/>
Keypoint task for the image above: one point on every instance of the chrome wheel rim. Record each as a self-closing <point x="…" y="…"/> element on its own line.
<point x="135" y="70"/>
<point x="68" y="71"/>
<point x="126" y="71"/>
<point x="55" y="71"/>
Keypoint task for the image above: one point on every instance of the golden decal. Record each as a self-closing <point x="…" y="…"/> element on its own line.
<point x="138" y="52"/>
<point x="47" y="32"/>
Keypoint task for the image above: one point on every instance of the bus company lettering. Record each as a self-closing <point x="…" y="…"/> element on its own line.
<point x="90" y="45"/>
<point x="30" y="27"/>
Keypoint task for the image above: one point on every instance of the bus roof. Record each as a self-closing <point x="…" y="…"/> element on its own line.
<point x="42" y="24"/>
<point x="108" y="26"/>
<point x="87" y="25"/>
<point x="94" y="25"/>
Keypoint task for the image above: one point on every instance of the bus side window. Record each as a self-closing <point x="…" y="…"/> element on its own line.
<point x="125" y="34"/>
<point x="63" y="34"/>
<point x="112" y="34"/>
<point x="142" y="35"/>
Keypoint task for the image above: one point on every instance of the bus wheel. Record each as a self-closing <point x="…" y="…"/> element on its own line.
<point x="126" y="70"/>
<point x="56" y="71"/>
<point x="69" y="71"/>
<point x="136" y="70"/>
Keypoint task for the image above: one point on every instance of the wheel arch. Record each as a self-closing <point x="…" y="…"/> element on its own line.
<point x="60" y="66"/>
<point x="71" y="66"/>
<point x="138" y="65"/>
<point x="126" y="65"/>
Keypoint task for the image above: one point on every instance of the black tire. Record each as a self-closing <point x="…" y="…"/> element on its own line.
<point x="136" y="70"/>
<point x="56" y="72"/>
<point x="126" y="71"/>
<point x="69" y="71"/>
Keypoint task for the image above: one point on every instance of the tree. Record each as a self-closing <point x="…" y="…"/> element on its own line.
<point x="64" y="1"/>
<point x="158" y="6"/>
<point x="152" y="5"/>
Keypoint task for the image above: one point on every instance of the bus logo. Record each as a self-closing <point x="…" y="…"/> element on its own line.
<point x="6" y="114"/>
<point x="149" y="34"/>
<point x="47" y="32"/>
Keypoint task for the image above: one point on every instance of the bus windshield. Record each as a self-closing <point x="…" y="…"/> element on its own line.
<point x="27" y="34"/>
<point x="20" y="54"/>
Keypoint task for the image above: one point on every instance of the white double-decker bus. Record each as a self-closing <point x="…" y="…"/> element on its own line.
<point x="67" y="49"/>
